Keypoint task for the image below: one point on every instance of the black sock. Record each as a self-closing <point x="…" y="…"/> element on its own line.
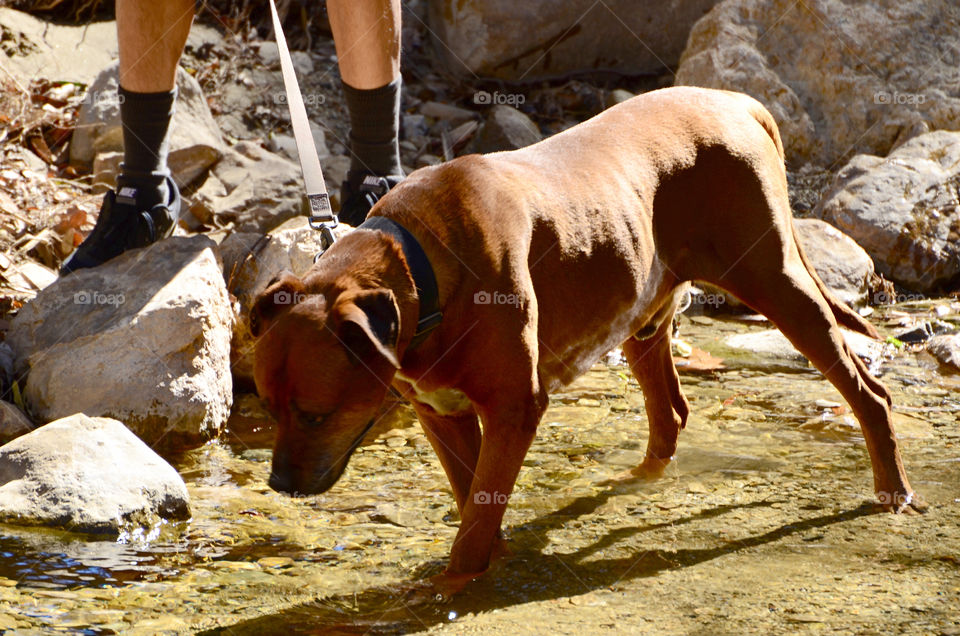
<point x="146" y="121"/>
<point x="374" y="129"/>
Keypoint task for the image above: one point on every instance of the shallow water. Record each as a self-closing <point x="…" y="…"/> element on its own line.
<point x="764" y="522"/>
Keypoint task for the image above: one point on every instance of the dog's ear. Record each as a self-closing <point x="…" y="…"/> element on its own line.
<point x="368" y="325"/>
<point x="284" y="291"/>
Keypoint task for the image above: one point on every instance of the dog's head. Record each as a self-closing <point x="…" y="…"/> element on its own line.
<point x="323" y="363"/>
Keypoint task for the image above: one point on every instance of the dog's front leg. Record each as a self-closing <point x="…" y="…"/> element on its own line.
<point x="508" y="430"/>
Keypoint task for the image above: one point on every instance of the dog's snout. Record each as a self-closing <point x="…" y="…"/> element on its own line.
<point x="281" y="483"/>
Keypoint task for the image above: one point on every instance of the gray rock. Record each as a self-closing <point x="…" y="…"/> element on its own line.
<point x="87" y="475"/>
<point x="506" y="128"/>
<point x="842" y="264"/>
<point x="13" y="423"/>
<point x="262" y="189"/>
<point x="195" y="141"/>
<point x="144" y="338"/>
<point x="250" y="261"/>
<point x="825" y="71"/>
<point x="903" y="209"/>
<point x="946" y="349"/>
<point x="531" y="40"/>
<point x="774" y="346"/>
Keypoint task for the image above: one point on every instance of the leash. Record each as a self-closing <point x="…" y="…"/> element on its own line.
<point x="321" y="215"/>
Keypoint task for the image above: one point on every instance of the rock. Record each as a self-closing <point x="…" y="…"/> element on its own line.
<point x="262" y="190"/>
<point x="195" y="142"/>
<point x="842" y="264"/>
<point x="617" y="96"/>
<point x="904" y="210"/>
<point x="250" y="261"/>
<point x="946" y="349"/>
<point x="13" y="423"/>
<point x="144" y="338"/>
<point x="825" y="71"/>
<point x="772" y="343"/>
<point x="506" y="128"/>
<point x="447" y="112"/>
<point x="533" y="40"/>
<point x="88" y="475"/>
<point x="34" y="49"/>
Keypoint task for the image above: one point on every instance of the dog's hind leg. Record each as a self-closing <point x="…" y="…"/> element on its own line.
<point x="667" y="409"/>
<point x="788" y="295"/>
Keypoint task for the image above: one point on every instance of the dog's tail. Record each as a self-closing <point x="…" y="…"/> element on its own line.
<point x="843" y="314"/>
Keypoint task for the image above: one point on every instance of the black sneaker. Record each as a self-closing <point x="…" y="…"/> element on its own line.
<point x="123" y="226"/>
<point x="360" y="192"/>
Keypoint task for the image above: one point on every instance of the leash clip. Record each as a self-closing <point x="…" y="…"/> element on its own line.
<point x="322" y="218"/>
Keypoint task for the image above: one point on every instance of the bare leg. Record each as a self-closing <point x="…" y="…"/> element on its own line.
<point x="667" y="408"/>
<point x="151" y="39"/>
<point x="367" y="37"/>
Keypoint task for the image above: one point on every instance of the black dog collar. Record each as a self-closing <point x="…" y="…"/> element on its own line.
<point x="423" y="277"/>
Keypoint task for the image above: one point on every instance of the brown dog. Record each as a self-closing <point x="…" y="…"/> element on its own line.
<point x="546" y="258"/>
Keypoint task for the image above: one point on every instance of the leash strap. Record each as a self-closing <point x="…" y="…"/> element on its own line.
<point x="423" y="277"/>
<point x="321" y="214"/>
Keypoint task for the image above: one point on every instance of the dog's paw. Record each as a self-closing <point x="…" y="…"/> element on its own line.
<point x="899" y="503"/>
<point x="650" y="470"/>
<point x="438" y="589"/>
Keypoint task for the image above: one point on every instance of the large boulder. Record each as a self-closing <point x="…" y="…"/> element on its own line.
<point x="904" y="210"/>
<point x="144" y="338"/>
<point x="842" y="264"/>
<point x="87" y="475"/>
<point x="839" y="77"/>
<point x="481" y="37"/>
<point x="195" y="141"/>
<point x="250" y="262"/>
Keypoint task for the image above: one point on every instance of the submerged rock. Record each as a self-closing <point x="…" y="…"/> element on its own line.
<point x="946" y="349"/>
<point x="772" y="344"/>
<point x="144" y="338"/>
<point x="88" y="475"/>
<point x="826" y="71"/>
<point x="904" y="210"/>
